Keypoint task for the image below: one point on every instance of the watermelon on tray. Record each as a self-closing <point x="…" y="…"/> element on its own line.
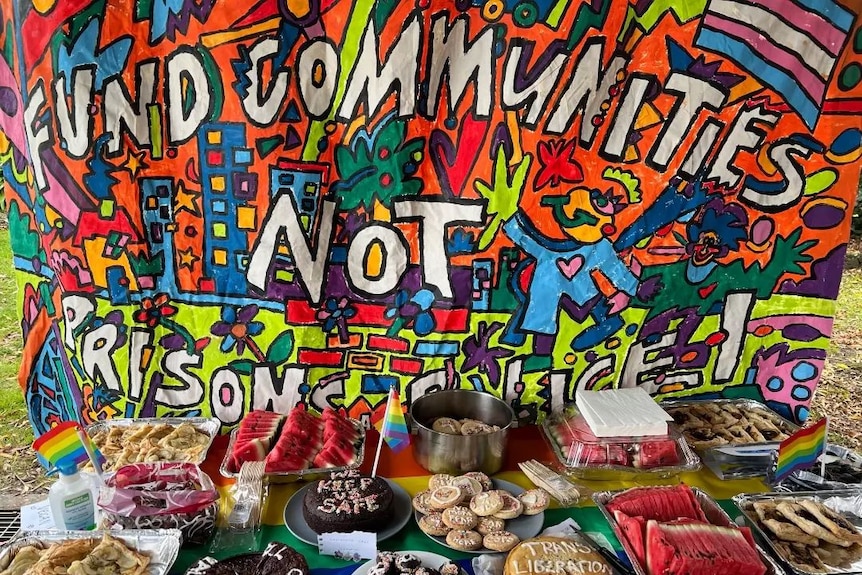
<point x="295" y="443"/>
<point x="667" y="533"/>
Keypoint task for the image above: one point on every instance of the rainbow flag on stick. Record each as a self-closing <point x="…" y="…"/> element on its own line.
<point x="392" y="427"/>
<point x="63" y="445"/>
<point x="801" y="450"/>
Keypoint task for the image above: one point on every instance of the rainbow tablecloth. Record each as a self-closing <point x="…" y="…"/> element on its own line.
<point x="524" y="443"/>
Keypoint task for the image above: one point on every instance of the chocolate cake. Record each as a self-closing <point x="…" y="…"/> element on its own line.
<point x="277" y="559"/>
<point x="348" y="501"/>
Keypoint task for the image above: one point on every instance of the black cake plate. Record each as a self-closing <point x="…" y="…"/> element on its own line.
<point x="402" y="510"/>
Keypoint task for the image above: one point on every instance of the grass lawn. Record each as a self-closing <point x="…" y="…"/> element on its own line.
<point x="12" y="407"/>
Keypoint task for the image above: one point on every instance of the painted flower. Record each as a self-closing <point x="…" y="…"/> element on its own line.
<point x="478" y="353"/>
<point x="237" y="328"/>
<point x="558" y="164"/>
<point x="415" y="309"/>
<point x="461" y="242"/>
<point x="334" y="315"/>
<point x="154" y="309"/>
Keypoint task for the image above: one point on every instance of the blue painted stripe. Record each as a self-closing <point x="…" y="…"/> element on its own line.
<point x="835" y="13"/>
<point x="436" y="348"/>
<point x="772" y="76"/>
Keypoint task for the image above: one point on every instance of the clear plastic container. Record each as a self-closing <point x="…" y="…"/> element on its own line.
<point x="714" y="429"/>
<point x="604" y="458"/>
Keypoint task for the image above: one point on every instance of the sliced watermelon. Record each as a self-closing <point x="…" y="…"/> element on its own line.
<point x="252" y="450"/>
<point x="634" y="530"/>
<point x="661" y="453"/>
<point x="659" y="503"/>
<point x="683" y="549"/>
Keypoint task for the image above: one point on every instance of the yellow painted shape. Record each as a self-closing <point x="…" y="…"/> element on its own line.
<point x="246" y="218"/>
<point x="515" y="134"/>
<point x="648" y="116"/>
<point x="299" y="8"/>
<point x="220" y="257"/>
<point x="217" y="183"/>
<point x="374" y="263"/>
<point x="219" y="38"/>
<point x="44" y="6"/>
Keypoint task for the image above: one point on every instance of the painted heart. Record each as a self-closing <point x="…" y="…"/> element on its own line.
<point x="570" y="266"/>
<point x="453" y="161"/>
<point x="706" y="290"/>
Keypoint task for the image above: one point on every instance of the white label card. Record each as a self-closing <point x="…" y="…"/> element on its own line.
<point x="348" y="546"/>
<point x="37" y="516"/>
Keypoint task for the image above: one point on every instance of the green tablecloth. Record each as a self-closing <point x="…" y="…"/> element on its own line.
<point x="410" y="538"/>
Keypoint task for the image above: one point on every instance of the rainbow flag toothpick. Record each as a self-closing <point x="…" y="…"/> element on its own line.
<point x="392" y="425"/>
<point x="801" y="450"/>
<point x="63" y="445"/>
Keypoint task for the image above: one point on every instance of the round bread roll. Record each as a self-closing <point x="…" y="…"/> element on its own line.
<point x="554" y="556"/>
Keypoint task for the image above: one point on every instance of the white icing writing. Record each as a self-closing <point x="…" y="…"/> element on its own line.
<point x="274" y="550"/>
<point x="348" y="504"/>
<point x="570" y="567"/>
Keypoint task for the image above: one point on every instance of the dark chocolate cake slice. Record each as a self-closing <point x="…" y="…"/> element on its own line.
<point x="279" y="559"/>
<point x="348" y="501"/>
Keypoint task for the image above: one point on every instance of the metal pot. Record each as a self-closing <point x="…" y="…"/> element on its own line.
<point x="454" y="454"/>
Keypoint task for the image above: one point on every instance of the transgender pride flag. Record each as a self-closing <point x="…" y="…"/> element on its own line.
<point x="791" y="46"/>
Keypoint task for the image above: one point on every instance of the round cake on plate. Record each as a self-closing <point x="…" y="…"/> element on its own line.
<point x="276" y="559"/>
<point x="348" y="501"/>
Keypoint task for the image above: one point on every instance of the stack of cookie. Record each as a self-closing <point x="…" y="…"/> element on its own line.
<point x="471" y="514"/>
<point x="462" y="426"/>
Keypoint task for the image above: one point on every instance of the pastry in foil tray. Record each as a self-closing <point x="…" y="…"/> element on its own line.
<point x="707" y="424"/>
<point x="148" y="442"/>
<point x="108" y="556"/>
<point x="808" y="534"/>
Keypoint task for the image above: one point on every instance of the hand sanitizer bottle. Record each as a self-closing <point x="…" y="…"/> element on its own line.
<point x="71" y="499"/>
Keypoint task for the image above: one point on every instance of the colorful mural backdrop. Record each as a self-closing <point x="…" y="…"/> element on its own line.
<point x="217" y="205"/>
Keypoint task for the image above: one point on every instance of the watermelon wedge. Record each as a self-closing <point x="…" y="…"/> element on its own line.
<point x="634" y="530"/>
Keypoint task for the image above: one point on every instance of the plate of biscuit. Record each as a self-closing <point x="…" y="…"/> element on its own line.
<point x="475" y="514"/>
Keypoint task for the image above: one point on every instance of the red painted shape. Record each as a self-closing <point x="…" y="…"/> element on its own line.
<point x="370" y="314"/>
<point x="298" y="312"/>
<point x="450" y="320"/>
<point x="206" y="285"/>
<point x="383" y="343"/>
<point x="406" y="366"/>
<point x="34" y="29"/>
<point x="843" y="106"/>
<point x="321" y="358"/>
<point x="706" y="290"/>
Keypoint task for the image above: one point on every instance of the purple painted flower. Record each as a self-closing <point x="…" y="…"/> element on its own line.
<point x="478" y="353"/>
<point x="237" y="328"/>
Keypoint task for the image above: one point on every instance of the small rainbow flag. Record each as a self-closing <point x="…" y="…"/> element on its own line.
<point x="392" y="426"/>
<point x="63" y="445"/>
<point x="800" y="450"/>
